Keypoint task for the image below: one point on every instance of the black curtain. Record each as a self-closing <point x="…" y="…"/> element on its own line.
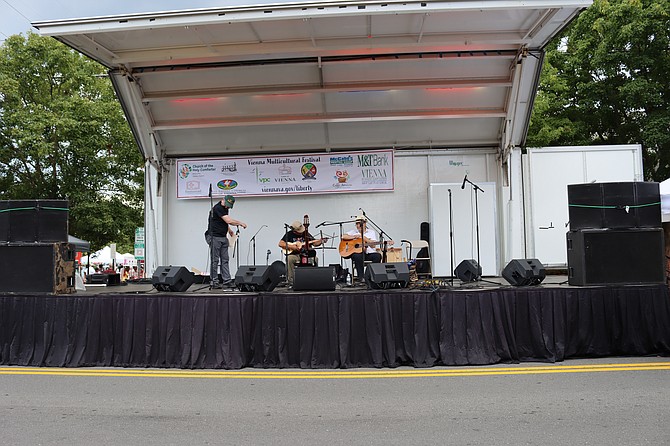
<point x="316" y="330"/>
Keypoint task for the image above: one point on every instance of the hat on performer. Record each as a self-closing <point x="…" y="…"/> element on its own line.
<point x="361" y="218"/>
<point x="297" y="226"/>
<point x="229" y="201"/>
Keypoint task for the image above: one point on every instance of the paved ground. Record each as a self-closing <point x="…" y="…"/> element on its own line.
<point x="609" y="401"/>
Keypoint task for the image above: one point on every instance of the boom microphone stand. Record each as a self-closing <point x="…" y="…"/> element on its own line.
<point x="253" y="241"/>
<point x="476" y="189"/>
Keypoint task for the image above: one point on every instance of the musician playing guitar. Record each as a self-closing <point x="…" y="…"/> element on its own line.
<point x="360" y="245"/>
<point x="297" y="244"/>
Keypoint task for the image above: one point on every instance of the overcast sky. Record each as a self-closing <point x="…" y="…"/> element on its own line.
<point x="16" y="15"/>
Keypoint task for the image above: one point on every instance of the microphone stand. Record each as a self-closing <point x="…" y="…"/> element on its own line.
<point x="287" y="228"/>
<point x="476" y="189"/>
<point x="253" y="242"/>
<point x="236" y="248"/>
<point x="340" y="223"/>
<point x="323" y="249"/>
<point x="451" y="237"/>
<point x="209" y="229"/>
<point x="382" y="234"/>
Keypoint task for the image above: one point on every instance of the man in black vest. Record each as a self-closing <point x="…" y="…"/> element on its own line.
<point x="219" y="227"/>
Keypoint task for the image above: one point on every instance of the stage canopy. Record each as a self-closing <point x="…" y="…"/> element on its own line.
<point x="329" y="75"/>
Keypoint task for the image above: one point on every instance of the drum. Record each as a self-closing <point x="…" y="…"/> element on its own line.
<point x="394" y="255"/>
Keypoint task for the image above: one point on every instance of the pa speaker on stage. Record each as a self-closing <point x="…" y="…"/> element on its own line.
<point x="387" y="275"/>
<point x="522" y="272"/>
<point x="37" y="221"/>
<point x="172" y="278"/>
<point x="312" y="278"/>
<point x="468" y="270"/>
<point x="37" y="267"/>
<point x="257" y="277"/>
<point x="615" y="256"/>
<point x="614" y="205"/>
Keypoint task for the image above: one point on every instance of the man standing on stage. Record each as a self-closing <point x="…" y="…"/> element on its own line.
<point x="219" y="228"/>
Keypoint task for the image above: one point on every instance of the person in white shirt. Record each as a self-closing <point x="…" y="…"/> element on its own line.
<point x="355" y="240"/>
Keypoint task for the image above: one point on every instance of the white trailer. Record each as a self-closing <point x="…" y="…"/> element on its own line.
<point x="547" y="173"/>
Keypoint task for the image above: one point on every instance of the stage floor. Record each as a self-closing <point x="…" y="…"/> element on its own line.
<point x="445" y="284"/>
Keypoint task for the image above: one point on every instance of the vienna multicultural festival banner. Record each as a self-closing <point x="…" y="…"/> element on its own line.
<point x="321" y="173"/>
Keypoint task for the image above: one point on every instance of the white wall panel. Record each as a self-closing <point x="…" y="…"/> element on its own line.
<point x="399" y="213"/>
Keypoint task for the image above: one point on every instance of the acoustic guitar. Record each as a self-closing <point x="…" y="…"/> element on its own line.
<point x="349" y="247"/>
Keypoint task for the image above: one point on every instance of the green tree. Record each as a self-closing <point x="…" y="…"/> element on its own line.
<point x="63" y="135"/>
<point x="604" y="81"/>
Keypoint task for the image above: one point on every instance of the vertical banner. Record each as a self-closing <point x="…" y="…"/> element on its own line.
<point x="322" y="173"/>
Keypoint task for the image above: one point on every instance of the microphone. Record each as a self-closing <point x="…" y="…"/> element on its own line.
<point x="210" y="190"/>
<point x="465" y="178"/>
<point x="321" y="224"/>
<point x="362" y="212"/>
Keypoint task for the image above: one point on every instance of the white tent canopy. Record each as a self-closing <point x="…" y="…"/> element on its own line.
<point x="104" y="257"/>
<point x="664" y="188"/>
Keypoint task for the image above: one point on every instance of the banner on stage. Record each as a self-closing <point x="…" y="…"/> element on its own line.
<point x="322" y="173"/>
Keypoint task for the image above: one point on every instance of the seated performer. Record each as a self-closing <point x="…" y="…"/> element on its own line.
<point x="352" y="243"/>
<point x="294" y="243"/>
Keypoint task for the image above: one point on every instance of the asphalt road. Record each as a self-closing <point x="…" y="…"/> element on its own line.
<point x="587" y="402"/>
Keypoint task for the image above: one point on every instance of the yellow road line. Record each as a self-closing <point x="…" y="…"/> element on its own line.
<point x="335" y="373"/>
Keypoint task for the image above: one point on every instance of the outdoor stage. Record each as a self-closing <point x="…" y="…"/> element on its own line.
<point x="136" y="326"/>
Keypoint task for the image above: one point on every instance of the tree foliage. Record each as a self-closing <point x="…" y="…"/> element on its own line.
<point x="63" y="135"/>
<point x="605" y="81"/>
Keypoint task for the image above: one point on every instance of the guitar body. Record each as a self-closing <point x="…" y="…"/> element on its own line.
<point x="349" y="247"/>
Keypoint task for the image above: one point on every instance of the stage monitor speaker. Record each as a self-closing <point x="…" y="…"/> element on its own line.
<point x="614" y="205"/>
<point x="387" y="275"/>
<point x="468" y="270"/>
<point x="280" y="269"/>
<point x="615" y="256"/>
<point x="523" y="272"/>
<point x="172" y="278"/>
<point x="41" y="221"/>
<point x="41" y="268"/>
<point x="312" y="278"/>
<point x="257" y="277"/>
